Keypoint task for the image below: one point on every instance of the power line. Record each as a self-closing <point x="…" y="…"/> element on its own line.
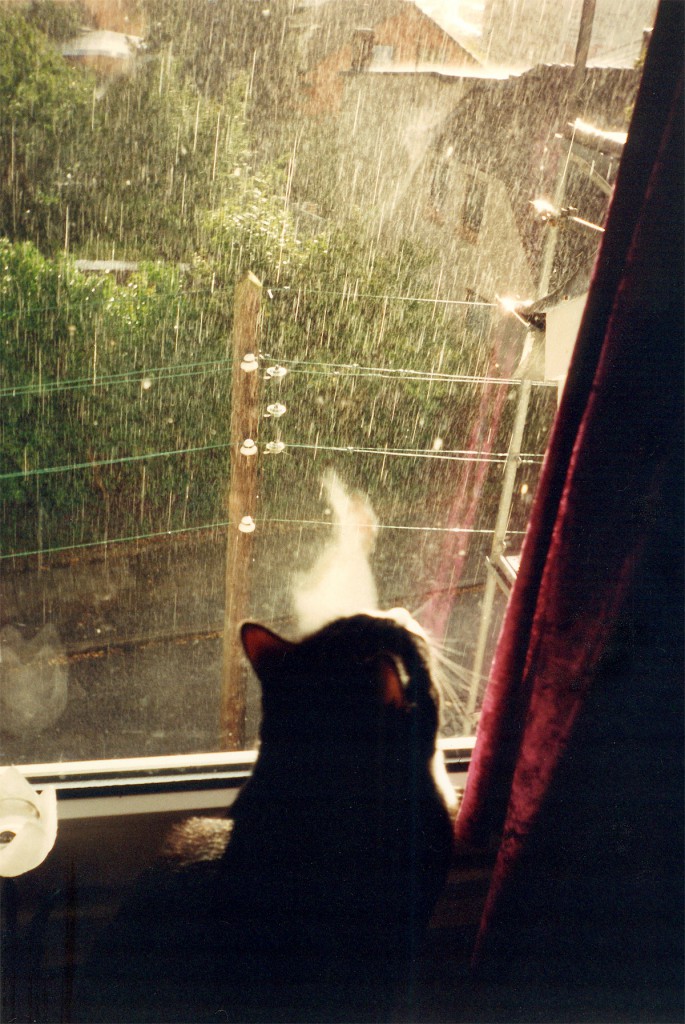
<point x="223" y="524"/>
<point x="388" y="373"/>
<point x="155" y="374"/>
<point x="161" y="374"/>
<point x="97" y="463"/>
<point x="284" y="290"/>
<point x="449" y="455"/>
<point x="354" y="296"/>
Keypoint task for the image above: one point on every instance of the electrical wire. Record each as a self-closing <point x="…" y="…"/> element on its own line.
<point x="157" y="373"/>
<point x="161" y="374"/>
<point x="96" y="464"/>
<point x="355" y="296"/>
<point x="428" y="376"/>
<point x="223" y="524"/>
<point x="526" y="458"/>
<point x="285" y="290"/>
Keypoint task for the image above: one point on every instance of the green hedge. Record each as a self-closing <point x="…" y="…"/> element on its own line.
<point x="137" y="374"/>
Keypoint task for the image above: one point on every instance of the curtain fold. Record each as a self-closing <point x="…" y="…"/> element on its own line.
<point x="579" y="674"/>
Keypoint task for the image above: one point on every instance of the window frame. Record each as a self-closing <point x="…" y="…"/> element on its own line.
<point x="118" y="787"/>
<point x="205" y="773"/>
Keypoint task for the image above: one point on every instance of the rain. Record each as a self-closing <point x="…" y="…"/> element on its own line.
<point x="416" y="192"/>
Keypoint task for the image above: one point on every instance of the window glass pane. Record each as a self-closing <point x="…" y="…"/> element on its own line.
<point x="417" y="191"/>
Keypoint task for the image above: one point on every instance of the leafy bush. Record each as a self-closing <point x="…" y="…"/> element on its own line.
<point x="90" y="375"/>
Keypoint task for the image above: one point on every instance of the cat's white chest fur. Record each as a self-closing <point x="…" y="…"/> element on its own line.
<point x="340" y="582"/>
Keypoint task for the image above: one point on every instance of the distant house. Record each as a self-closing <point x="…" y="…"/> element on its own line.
<point x="120" y="270"/>
<point x="335" y="39"/>
<point x="498" y="150"/>
<point x="425" y="139"/>
<point x="455" y="158"/>
<point x="387" y="124"/>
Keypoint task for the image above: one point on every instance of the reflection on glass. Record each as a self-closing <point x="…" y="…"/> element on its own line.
<point x="380" y="186"/>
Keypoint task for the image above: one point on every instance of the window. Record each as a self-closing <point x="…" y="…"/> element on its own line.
<point x="382" y="55"/>
<point x="473" y="208"/>
<point x="150" y="161"/>
<point x="440" y="180"/>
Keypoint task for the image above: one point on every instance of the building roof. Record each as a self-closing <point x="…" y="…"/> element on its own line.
<point x="444" y="70"/>
<point x="327" y="25"/>
<point x="102" y="43"/>
<point x="504" y="129"/>
<point x="461" y="21"/>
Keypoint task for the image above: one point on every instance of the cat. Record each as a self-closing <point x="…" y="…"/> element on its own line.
<point x="312" y="901"/>
<point x="342" y="801"/>
<point x="340" y="582"/>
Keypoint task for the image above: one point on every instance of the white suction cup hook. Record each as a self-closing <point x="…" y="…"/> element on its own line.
<point x="28" y="823"/>
<point x="249" y="362"/>
<point x="275" y="447"/>
<point x="247" y="525"/>
<point x="248" y="447"/>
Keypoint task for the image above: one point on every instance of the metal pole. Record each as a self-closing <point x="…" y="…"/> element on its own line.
<point x="498" y="546"/>
<point x="511" y="465"/>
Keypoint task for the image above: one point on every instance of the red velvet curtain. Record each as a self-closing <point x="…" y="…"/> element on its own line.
<point x="578" y="760"/>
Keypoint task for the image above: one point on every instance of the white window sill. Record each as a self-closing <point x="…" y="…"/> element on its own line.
<point x="180" y="782"/>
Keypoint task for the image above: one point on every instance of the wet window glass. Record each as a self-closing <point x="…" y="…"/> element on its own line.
<point x="475" y="194"/>
<point x="279" y="281"/>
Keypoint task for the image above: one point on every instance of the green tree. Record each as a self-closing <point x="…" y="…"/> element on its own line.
<point x="97" y="376"/>
<point x="58" y="21"/>
<point x="158" y="155"/>
<point x="44" y="106"/>
<point x="217" y="42"/>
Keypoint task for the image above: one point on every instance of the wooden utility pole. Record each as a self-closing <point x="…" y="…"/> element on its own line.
<point x="242" y="497"/>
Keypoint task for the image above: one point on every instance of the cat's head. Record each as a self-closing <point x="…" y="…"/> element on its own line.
<point x="355" y="677"/>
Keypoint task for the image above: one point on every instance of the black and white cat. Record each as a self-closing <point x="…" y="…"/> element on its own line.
<point x="318" y="890"/>
<point x="341" y="837"/>
<point x="311" y="902"/>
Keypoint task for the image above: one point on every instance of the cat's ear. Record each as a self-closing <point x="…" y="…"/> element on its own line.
<point x="391" y="688"/>
<point x="265" y="650"/>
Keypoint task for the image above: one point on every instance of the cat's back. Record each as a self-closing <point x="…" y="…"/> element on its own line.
<point x="338" y="845"/>
<point x="342" y="830"/>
